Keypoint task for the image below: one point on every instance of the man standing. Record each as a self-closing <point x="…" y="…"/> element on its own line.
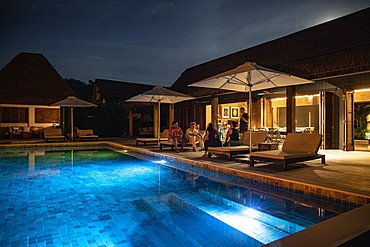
<point x="176" y="136"/>
<point x="243" y="123"/>
<point x="191" y="133"/>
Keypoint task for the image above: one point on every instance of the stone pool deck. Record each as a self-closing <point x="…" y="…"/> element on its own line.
<point x="348" y="171"/>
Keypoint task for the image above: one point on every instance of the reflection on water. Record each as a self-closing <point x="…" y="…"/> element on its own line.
<point x="33" y="160"/>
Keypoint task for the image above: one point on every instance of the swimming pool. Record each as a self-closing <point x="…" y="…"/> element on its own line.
<point x="98" y="196"/>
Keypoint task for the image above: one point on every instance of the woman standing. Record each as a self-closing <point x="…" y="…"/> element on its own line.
<point x="212" y="138"/>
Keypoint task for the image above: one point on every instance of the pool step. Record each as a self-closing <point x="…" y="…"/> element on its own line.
<point x="281" y="224"/>
<point x="240" y="223"/>
<point x="229" y="215"/>
<point x="157" y="207"/>
<point x="191" y="226"/>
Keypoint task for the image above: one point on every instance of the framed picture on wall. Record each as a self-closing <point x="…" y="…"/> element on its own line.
<point x="234" y="112"/>
<point x="225" y="112"/>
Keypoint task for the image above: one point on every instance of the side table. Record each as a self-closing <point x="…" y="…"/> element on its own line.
<point x="262" y="146"/>
<point x="26" y="135"/>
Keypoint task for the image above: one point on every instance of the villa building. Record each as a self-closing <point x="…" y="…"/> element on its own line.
<point x="29" y="84"/>
<point x="335" y="55"/>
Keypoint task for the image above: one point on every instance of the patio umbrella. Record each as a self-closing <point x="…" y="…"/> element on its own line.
<point x="250" y="77"/>
<point x="160" y="95"/>
<point x="72" y="101"/>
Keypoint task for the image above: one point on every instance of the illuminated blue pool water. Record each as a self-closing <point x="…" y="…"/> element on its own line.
<point x="105" y="197"/>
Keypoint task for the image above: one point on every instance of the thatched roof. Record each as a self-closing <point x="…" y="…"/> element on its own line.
<point x="338" y="47"/>
<point x="119" y="91"/>
<point x="30" y="79"/>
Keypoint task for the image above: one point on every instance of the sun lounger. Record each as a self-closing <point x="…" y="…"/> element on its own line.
<point x="297" y="147"/>
<point x="86" y="134"/>
<point x="163" y="137"/>
<point x="243" y="149"/>
<point x="51" y="133"/>
<point x="167" y="143"/>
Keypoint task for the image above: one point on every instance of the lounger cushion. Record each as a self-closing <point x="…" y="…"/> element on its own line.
<point x="164" y="134"/>
<point x="282" y="154"/>
<point x="231" y="148"/>
<point x="167" y="143"/>
<point x="54" y="137"/>
<point x="49" y="132"/>
<point x="302" y="142"/>
<point x="88" y="136"/>
<point x="256" y="138"/>
<point x="150" y="139"/>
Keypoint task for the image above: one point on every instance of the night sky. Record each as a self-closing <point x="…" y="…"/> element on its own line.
<point x="150" y="42"/>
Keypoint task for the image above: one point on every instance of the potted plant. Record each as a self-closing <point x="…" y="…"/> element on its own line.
<point x="361" y="129"/>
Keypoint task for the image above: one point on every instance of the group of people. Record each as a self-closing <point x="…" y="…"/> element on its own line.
<point x="177" y="136"/>
<point x="211" y="137"/>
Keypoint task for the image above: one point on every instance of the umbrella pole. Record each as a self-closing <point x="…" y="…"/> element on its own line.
<point x="250" y="112"/>
<point x="159" y="122"/>
<point x="72" y="123"/>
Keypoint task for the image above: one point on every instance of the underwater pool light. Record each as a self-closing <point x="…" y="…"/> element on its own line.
<point x="160" y="161"/>
<point x="251" y="213"/>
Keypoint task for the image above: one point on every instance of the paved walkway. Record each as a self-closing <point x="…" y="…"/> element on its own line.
<point x="347" y="171"/>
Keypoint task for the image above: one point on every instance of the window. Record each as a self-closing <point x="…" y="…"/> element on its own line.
<point x="15" y="115"/>
<point x="46" y="115"/>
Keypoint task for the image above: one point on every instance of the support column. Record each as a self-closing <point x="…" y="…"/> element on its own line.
<point x="268" y="113"/>
<point x="61" y="117"/>
<point x="171" y="114"/>
<point x="348" y="121"/>
<point x="130" y="124"/>
<point x="155" y="120"/>
<point x="214" y="110"/>
<point x="290" y="109"/>
<point x="197" y="113"/>
<point x="1" y="120"/>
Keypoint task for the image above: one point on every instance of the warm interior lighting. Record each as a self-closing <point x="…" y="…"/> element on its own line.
<point x="362" y="90"/>
<point x="310" y="98"/>
<point x="297" y="97"/>
<point x="307" y="96"/>
<point x="279" y="98"/>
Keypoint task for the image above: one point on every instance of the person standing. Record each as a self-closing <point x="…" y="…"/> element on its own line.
<point x="220" y="130"/>
<point x="244" y="119"/>
<point x="192" y="133"/>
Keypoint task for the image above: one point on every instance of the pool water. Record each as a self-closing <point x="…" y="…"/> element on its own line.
<point x="97" y="196"/>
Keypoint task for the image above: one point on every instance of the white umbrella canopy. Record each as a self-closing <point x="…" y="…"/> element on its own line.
<point x="250" y="77"/>
<point x="72" y="101"/>
<point x="160" y="95"/>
